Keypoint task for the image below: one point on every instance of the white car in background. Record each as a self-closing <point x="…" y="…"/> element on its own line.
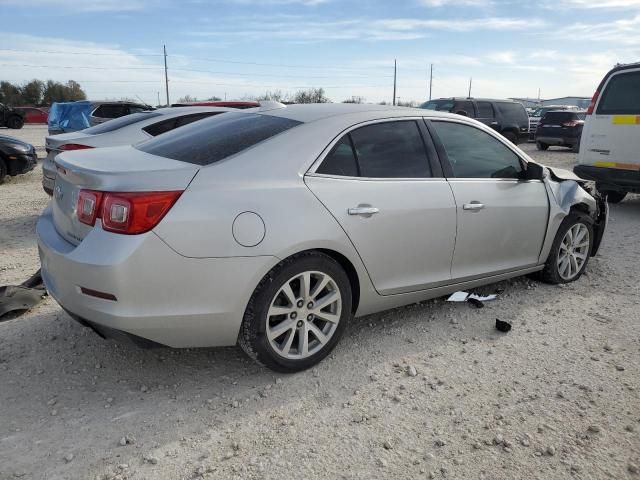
<point x="126" y="130"/>
<point x="610" y="144"/>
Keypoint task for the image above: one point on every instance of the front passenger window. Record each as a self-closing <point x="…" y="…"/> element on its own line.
<point x="473" y="153"/>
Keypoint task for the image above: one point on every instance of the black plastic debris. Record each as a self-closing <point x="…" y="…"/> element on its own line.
<point x="475" y="302"/>
<point x="502" y="326"/>
<point x="18" y="299"/>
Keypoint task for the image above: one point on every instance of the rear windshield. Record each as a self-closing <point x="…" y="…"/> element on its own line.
<point x="116" y="123"/>
<point x="439" y="105"/>
<point x="621" y="95"/>
<point x="213" y="139"/>
<point x="564" y="116"/>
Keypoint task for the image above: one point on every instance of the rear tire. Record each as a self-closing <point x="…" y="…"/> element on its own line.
<point x="570" y="252"/>
<point x="541" y="146"/>
<point x="15" y="122"/>
<point x="614" y="197"/>
<point x="3" y="170"/>
<point x="282" y="328"/>
<point x="575" y="148"/>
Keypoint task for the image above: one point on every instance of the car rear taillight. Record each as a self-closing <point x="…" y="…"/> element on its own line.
<point x="88" y="206"/>
<point x="130" y="213"/>
<point x="592" y="103"/>
<point x="572" y="123"/>
<point x="67" y="147"/>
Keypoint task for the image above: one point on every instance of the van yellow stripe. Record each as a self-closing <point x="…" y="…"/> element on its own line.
<point x="620" y="166"/>
<point x="625" y="119"/>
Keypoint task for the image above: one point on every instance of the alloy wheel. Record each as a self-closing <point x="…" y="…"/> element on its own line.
<point x="303" y="315"/>
<point x="573" y="252"/>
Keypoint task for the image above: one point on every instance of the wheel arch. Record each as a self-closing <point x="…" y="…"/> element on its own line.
<point x="351" y="272"/>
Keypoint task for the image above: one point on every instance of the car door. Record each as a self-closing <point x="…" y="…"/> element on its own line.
<point x="486" y="114"/>
<point x="390" y="198"/>
<point x="502" y="220"/>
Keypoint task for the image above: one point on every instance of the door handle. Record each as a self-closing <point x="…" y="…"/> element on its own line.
<point x="364" y="211"/>
<point x="473" y="206"/>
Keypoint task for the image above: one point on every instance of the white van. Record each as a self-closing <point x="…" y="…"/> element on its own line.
<point x="610" y="145"/>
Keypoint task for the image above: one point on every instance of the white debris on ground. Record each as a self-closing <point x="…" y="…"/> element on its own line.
<point x="426" y="391"/>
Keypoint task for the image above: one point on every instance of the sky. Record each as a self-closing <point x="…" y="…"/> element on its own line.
<point x="238" y="48"/>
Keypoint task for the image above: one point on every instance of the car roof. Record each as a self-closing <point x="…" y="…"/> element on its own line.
<point x="311" y="112"/>
<point x="176" y="111"/>
<point x="505" y="100"/>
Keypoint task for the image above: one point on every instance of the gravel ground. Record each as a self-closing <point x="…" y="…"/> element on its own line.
<point x="426" y="391"/>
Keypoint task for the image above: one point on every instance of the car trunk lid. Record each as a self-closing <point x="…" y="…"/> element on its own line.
<point x="117" y="169"/>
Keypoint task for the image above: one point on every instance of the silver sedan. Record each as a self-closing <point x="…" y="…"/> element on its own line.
<point x="274" y="228"/>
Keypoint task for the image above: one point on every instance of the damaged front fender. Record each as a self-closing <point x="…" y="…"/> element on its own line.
<point x="568" y="191"/>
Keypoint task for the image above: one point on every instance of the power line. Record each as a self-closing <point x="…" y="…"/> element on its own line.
<point x="195" y="70"/>
<point x="82" y="53"/>
<point x="214" y="60"/>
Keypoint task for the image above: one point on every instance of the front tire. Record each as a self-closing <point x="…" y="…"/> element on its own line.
<point x="614" y="197"/>
<point x="15" y="122"/>
<point x="297" y="313"/>
<point x="3" y="169"/>
<point x="570" y="251"/>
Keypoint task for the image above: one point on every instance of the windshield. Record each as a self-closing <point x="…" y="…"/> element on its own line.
<point x="116" y="123"/>
<point x="438" y="105"/>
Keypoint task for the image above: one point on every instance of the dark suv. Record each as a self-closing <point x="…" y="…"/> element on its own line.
<point x="562" y="128"/>
<point x="505" y="116"/>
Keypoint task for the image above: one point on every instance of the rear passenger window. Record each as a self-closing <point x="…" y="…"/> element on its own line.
<point x="381" y="150"/>
<point x="391" y="150"/>
<point x="473" y="153"/>
<point x="341" y="160"/>
<point x="160" y="127"/>
<point x="485" y="110"/>
<point x="621" y="95"/>
<point x="512" y="111"/>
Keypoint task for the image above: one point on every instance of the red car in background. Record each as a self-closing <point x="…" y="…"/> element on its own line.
<point x="33" y="114"/>
<point x="220" y="103"/>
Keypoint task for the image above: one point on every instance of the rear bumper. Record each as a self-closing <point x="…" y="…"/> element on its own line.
<point x="161" y="296"/>
<point x="611" y="179"/>
<point x="560" y="140"/>
<point x="48" y="174"/>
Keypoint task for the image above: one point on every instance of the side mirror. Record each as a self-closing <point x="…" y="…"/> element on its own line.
<point x="533" y="171"/>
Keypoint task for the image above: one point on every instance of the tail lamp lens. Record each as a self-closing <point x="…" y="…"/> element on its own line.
<point x="88" y="206"/>
<point x="592" y="103"/>
<point x="128" y="213"/>
<point x="73" y="146"/>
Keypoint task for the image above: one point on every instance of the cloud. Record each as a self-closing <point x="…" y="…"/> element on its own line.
<point x="618" y="32"/>
<point x="82" y="6"/>
<point x="602" y="4"/>
<point x="396" y="29"/>
<point x="467" y="3"/>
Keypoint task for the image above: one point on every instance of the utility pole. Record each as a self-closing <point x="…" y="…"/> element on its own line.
<point x="538" y="96"/>
<point x="166" y="76"/>
<point x="470" y="80"/>
<point x="158" y="99"/>
<point x="430" y="80"/>
<point x="395" y="71"/>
